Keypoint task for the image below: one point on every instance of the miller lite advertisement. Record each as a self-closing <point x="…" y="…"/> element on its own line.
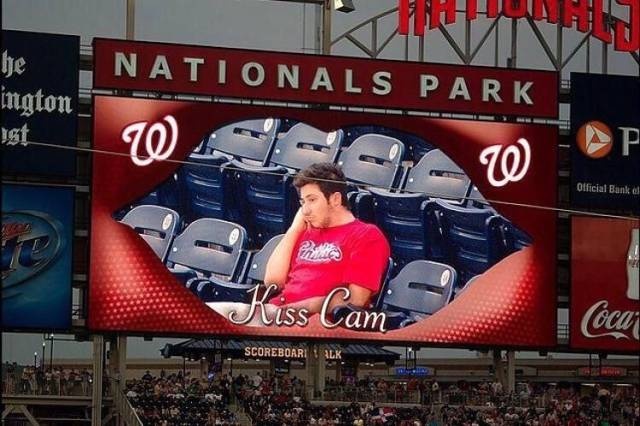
<point x="605" y="136"/>
<point x="605" y="298"/>
<point x="39" y="102"/>
<point x="269" y="222"/>
<point x="37" y="230"/>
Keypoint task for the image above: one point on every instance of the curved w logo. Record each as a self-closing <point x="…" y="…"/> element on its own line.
<point x="513" y="161"/>
<point x="155" y="147"/>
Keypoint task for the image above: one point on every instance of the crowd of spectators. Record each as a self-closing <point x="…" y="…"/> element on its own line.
<point x="45" y="380"/>
<point x="460" y="403"/>
<point x="562" y="406"/>
<point x="179" y="399"/>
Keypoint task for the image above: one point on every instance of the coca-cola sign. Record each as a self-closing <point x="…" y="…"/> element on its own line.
<point x="604" y="289"/>
<point x="600" y="321"/>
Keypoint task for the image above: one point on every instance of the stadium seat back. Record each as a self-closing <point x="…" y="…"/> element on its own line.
<point x="422" y="287"/>
<point x="304" y="145"/>
<point x="257" y="262"/>
<point x="205" y="183"/>
<point x="400" y="218"/>
<point x="210" y="246"/>
<point x="268" y="199"/>
<point x="156" y="225"/>
<point x="246" y="140"/>
<point x="471" y="235"/>
<point x="439" y="177"/>
<point x="373" y="160"/>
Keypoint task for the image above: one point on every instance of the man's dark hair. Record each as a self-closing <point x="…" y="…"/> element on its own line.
<point x="327" y="176"/>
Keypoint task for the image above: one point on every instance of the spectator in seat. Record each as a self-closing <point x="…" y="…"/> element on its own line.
<point x="326" y="247"/>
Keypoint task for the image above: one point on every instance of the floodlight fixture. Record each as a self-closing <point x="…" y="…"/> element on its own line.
<point x="345" y="6"/>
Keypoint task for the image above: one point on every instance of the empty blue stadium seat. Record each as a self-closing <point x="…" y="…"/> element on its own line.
<point x="372" y="160"/>
<point x="257" y="262"/>
<point x="438" y="176"/>
<point x="214" y="290"/>
<point x="415" y="147"/>
<point x="209" y="194"/>
<point x="208" y="247"/>
<point x="407" y="225"/>
<point x="205" y="181"/>
<point x="266" y="194"/>
<point x="471" y="237"/>
<point x="156" y="225"/>
<point x="249" y="141"/>
<point x="419" y="290"/>
<point x="304" y="145"/>
<point x="402" y="215"/>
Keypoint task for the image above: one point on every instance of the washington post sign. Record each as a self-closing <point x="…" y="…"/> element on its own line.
<point x="39" y="102"/>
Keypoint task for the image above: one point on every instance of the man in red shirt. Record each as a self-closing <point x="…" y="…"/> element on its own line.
<point x="326" y="247"/>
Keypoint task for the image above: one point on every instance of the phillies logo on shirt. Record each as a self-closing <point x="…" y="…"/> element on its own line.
<point x="321" y="253"/>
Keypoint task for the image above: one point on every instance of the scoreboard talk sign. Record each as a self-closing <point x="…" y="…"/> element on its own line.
<point x="39" y="102"/>
<point x="605" y="295"/>
<point x="133" y="288"/>
<point x="334" y="80"/>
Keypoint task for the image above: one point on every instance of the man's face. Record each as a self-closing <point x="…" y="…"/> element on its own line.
<point x="317" y="210"/>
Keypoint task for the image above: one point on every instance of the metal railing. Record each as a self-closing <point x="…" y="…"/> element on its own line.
<point x="484" y="399"/>
<point x="359" y="394"/>
<point x="18" y="385"/>
<point x="124" y="408"/>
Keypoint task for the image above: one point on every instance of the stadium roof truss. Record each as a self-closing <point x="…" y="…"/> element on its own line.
<point x="484" y="42"/>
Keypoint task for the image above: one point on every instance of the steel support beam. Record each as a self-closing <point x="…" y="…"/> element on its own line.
<point x="98" y="369"/>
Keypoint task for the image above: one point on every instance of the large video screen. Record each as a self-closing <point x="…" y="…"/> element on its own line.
<point x="37" y="232"/>
<point x="437" y="231"/>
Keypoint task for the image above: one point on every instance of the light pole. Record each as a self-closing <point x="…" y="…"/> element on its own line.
<point x="35" y="360"/>
<point x="43" y="347"/>
<point x="51" y="353"/>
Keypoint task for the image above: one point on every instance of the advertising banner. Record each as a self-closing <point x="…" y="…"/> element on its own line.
<point x="237" y="73"/>
<point x="39" y="102"/>
<point x="605" y="136"/>
<point x="181" y="222"/>
<point x="604" y="285"/>
<point x="37" y="232"/>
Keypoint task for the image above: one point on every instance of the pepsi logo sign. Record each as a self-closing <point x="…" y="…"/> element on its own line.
<point x="31" y="241"/>
<point x="594" y="139"/>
